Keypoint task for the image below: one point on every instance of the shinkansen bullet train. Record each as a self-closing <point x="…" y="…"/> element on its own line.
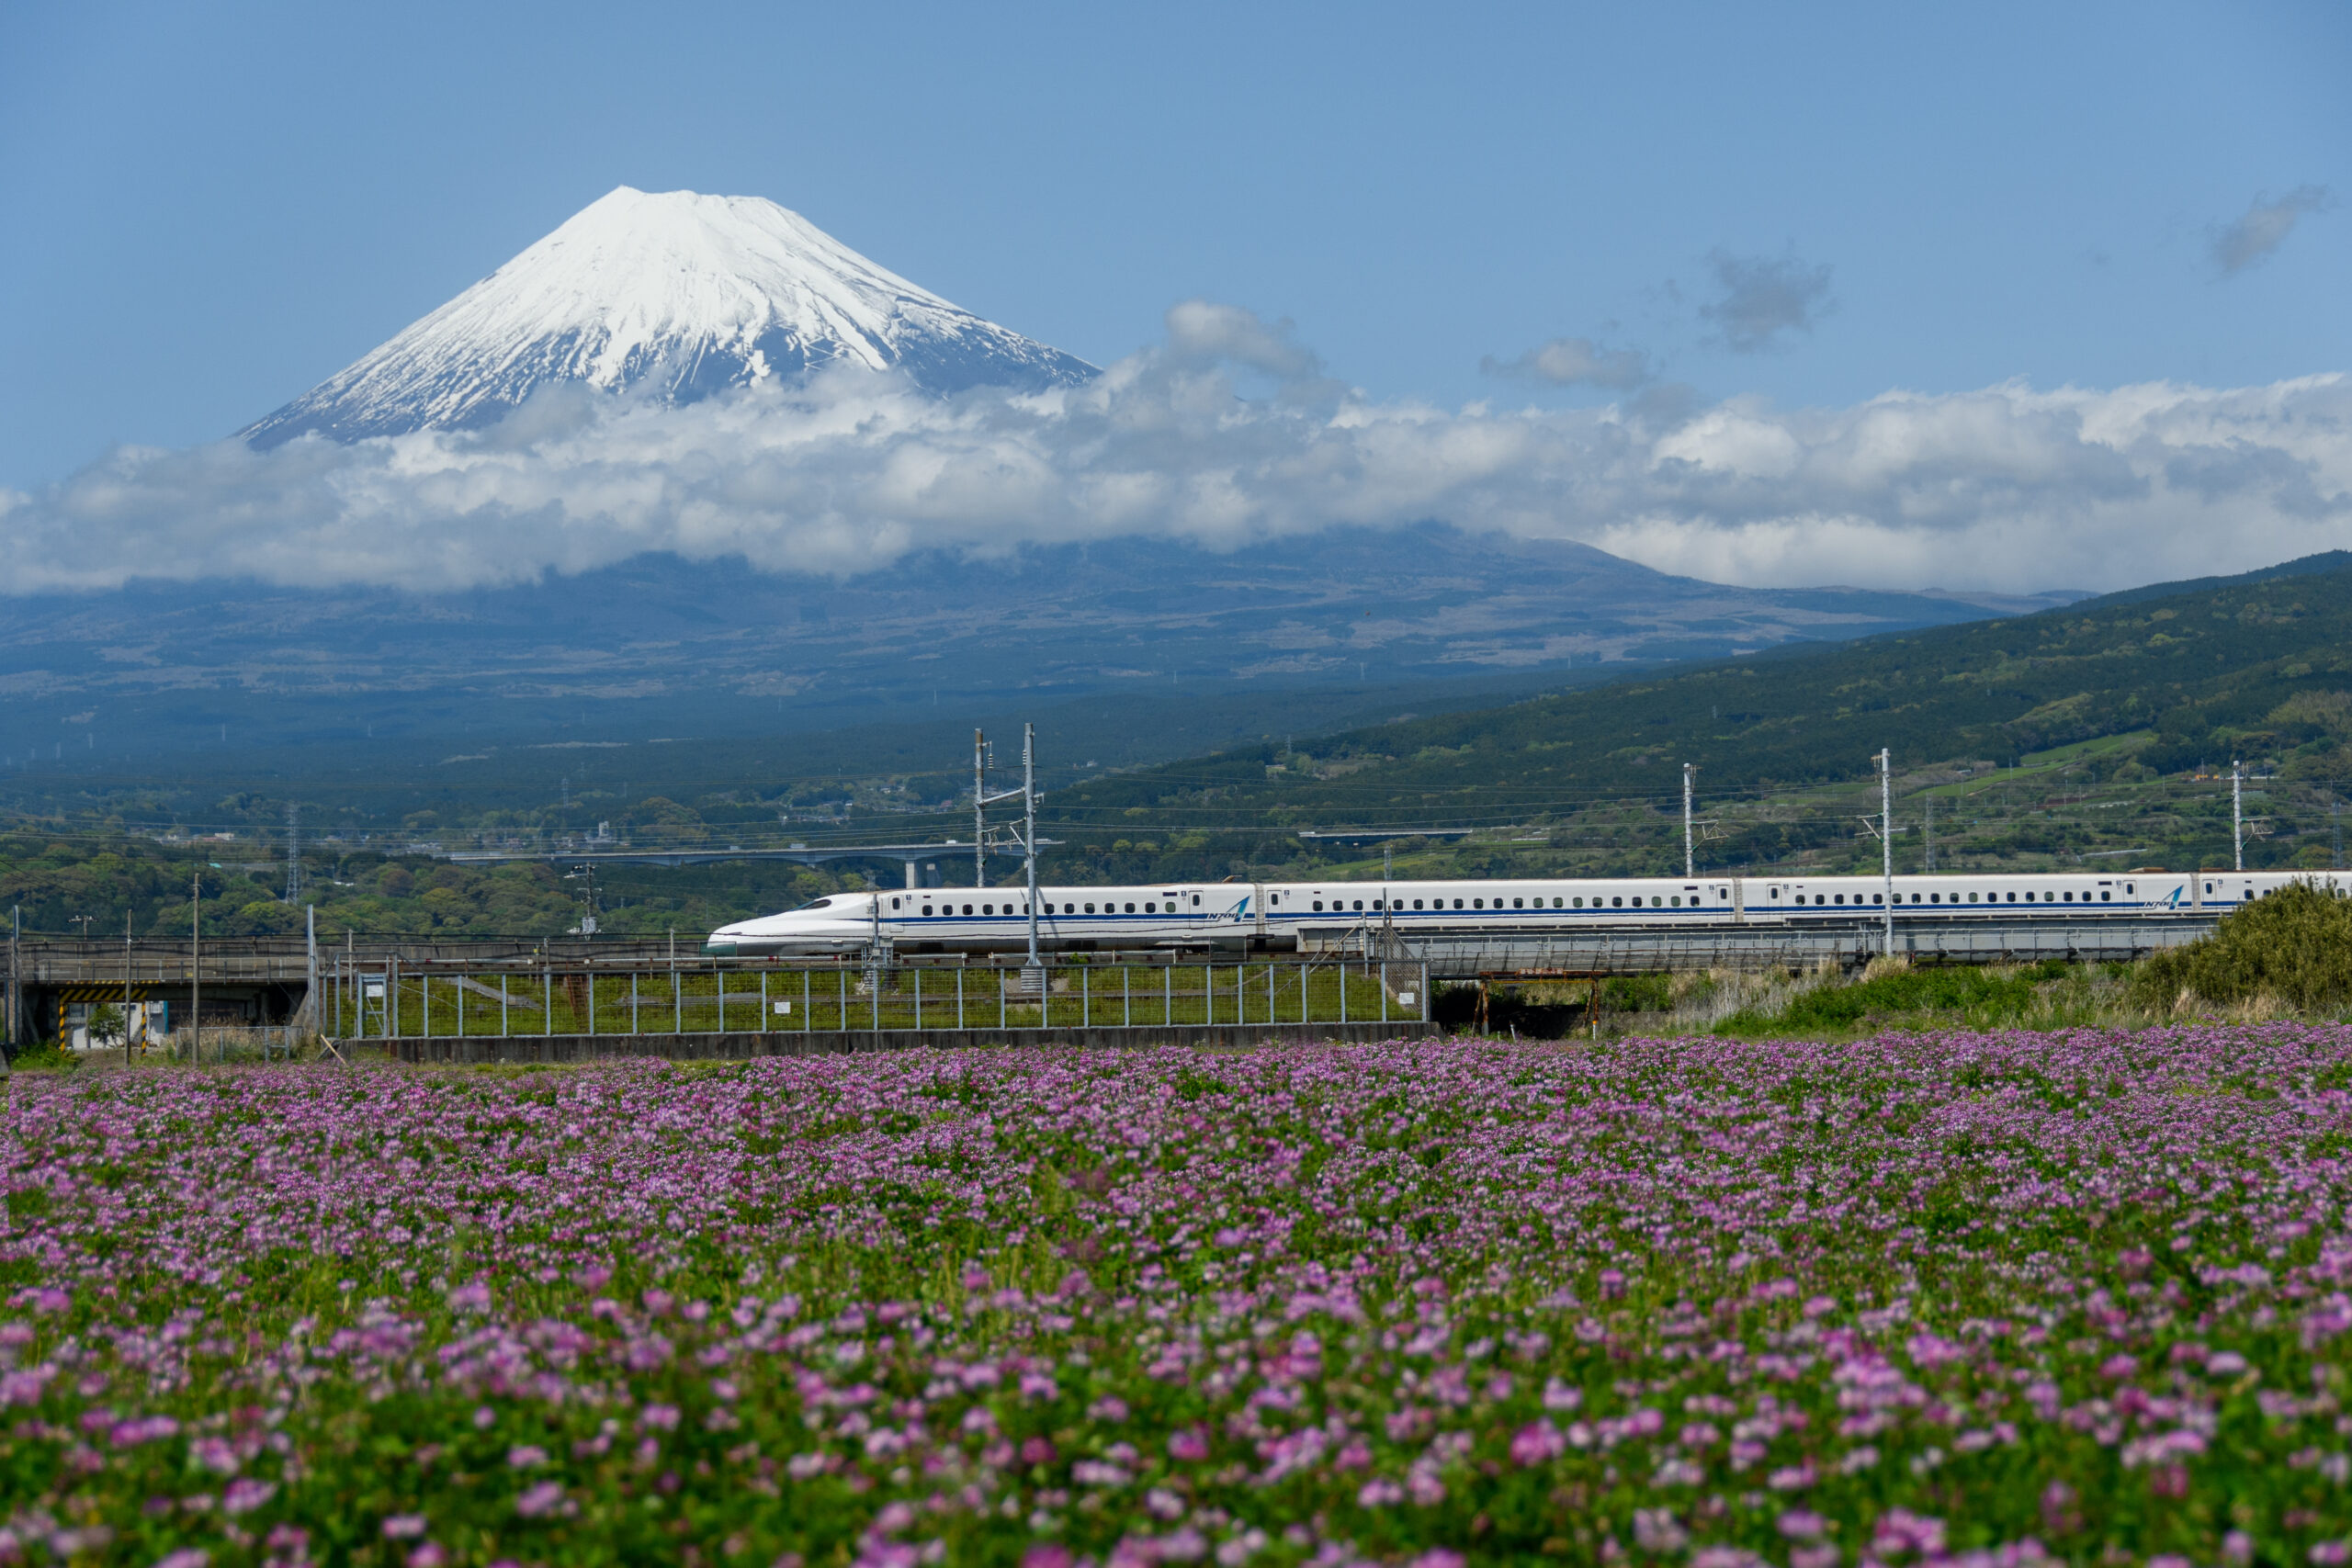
<point x="1273" y="916"/>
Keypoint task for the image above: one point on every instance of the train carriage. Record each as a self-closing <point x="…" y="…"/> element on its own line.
<point x="1268" y="916"/>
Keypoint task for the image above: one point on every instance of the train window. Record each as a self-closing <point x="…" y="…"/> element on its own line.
<point x="1615" y="902"/>
<point x="2029" y="897"/>
<point x="1375" y="903"/>
<point x="894" y="903"/>
<point x="2103" y="897"/>
<point x="1559" y="903"/>
<point x="2127" y="887"/>
<point x="967" y="909"/>
<point x="1457" y="903"/>
<point x="1359" y="903"/>
<point x="1656" y="902"/>
<point x="1841" y="899"/>
<point x="1090" y="909"/>
<point x="1678" y="900"/>
<point x="1915" y="897"/>
<point x="1131" y="908"/>
<point x="1318" y="906"/>
<point x="1149" y="907"/>
<point x="2208" y="887"/>
<point x="1417" y="903"/>
<point x="926" y="909"/>
<point x="1477" y="903"/>
<point x="1519" y="903"/>
<point x="1578" y="902"/>
<point x="988" y="908"/>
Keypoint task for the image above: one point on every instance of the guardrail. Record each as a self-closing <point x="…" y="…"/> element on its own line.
<point x="722" y="997"/>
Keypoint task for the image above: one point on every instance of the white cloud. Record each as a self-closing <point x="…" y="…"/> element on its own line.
<point x="2005" y="488"/>
<point x="1574" y="361"/>
<point x="2265" y="226"/>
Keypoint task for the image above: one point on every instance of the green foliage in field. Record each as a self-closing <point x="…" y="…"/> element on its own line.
<point x="1982" y="996"/>
<point x="2295" y="946"/>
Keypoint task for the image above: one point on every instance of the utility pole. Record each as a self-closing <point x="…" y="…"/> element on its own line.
<point x="1032" y="973"/>
<point x="311" y="964"/>
<point x="195" y="966"/>
<point x="1931" y="833"/>
<point x="979" y="809"/>
<point x="1029" y="841"/>
<point x="293" y="854"/>
<point x="1886" y="835"/>
<point x="16" y="983"/>
<point x="126" y="988"/>
<point x="2237" y="813"/>
<point x="1387" y="862"/>
<point x="1689" y="865"/>
<point x="2335" y="830"/>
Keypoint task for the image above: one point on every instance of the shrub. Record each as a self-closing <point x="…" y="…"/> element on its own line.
<point x="2296" y="945"/>
<point x="1985" y="995"/>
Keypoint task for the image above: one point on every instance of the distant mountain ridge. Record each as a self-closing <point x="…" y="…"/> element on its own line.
<point x="678" y="293"/>
<point x="705" y="648"/>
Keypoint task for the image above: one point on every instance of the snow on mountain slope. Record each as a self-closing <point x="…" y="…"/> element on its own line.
<point x="692" y="293"/>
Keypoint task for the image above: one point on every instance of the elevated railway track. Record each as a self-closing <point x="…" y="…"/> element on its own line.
<point x="264" y="982"/>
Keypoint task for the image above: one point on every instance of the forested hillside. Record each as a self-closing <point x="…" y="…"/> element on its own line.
<point x="2258" y="668"/>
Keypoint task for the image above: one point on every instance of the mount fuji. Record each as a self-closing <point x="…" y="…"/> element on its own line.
<point x="691" y="294"/>
<point x="675" y="297"/>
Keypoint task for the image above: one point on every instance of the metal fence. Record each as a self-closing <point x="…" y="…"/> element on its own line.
<point x="452" y="1000"/>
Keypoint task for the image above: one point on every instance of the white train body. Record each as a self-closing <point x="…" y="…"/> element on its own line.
<point x="1277" y="915"/>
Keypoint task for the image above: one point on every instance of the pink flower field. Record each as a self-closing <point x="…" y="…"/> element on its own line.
<point x="1925" y="1299"/>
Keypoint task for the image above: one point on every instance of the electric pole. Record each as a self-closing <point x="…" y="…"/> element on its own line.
<point x="195" y="966"/>
<point x="293" y="856"/>
<point x="1690" y="862"/>
<point x="2237" y="813"/>
<point x="1029" y="841"/>
<point x="1885" y="835"/>
<point x="1931" y="833"/>
<point x="979" y="809"/>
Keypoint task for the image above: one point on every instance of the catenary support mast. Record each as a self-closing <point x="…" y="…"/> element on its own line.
<point x="1689" y="860"/>
<point x="1029" y="832"/>
<point x="979" y="809"/>
<point x="2237" y="814"/>
<point x="1887" y="836"/>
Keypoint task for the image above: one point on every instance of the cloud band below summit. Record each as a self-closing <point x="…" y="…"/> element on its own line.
<point x="2008" y="487"/>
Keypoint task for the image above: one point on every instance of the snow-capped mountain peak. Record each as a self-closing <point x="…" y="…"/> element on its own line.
<point x="694" y="293"/>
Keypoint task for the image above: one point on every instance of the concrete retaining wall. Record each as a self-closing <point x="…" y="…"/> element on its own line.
<point x="735" y="1046"/>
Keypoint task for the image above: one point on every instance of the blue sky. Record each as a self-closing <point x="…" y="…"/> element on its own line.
<point x="214" y="207"/>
